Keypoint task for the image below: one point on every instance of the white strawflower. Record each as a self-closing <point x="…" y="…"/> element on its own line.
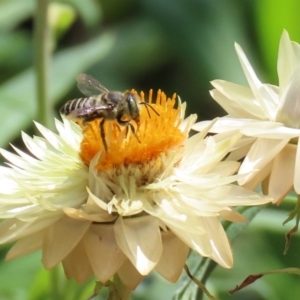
<point x="270" y="117"/>
<point x="130" y="210"/>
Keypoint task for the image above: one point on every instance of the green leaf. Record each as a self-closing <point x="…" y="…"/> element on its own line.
<point x="271" y="18"/>
<point x="14" y="12"/>
<point x="61" y="17"/>
<point x="252" y="278"/>
<point x="89" y="11"/>
<point x="233" y="230"/>
<point x="17" y="275"/>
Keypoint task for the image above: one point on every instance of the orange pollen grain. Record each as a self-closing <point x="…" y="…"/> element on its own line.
<point x="156" y="134"/>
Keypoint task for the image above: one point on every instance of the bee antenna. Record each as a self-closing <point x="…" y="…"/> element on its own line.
<point x="149" y="105"/>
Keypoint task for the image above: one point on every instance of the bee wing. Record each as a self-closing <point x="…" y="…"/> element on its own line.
<point x="88" y="85"/>
<point x="87" y="111"/>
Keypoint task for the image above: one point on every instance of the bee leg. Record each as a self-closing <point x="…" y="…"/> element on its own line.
<point x="83" y="125"/>
<point x="102" y="133"/>
<point x="133" y="131"/>
<point x="126" y="131"/>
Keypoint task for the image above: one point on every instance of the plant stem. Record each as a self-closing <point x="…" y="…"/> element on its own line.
<point x="42" y="56"/>
<point x="54" y="277"/>
<point x="119" y="290"/>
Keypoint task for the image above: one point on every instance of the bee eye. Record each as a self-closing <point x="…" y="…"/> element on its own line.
<point x="132" y="104"/>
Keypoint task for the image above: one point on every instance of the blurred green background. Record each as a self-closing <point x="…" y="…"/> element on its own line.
<point x="176" y="45"/>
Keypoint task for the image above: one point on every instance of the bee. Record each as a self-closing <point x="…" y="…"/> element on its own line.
<point x="107" y="105"/>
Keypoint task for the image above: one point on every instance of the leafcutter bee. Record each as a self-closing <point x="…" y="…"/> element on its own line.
<point x="104" y="104"/>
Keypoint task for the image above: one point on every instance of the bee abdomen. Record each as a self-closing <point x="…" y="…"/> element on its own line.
<point x="73" y="105"/>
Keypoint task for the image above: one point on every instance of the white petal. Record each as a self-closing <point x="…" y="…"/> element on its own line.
<point x="56" y="141"/>
<point x="221" y="250"/>
<point x="238" y="101"/>
<point x="94" y="217"/>
<point x="232" y="216"/>
<point x="271" y="130"/>
<point x="281" y="179"/>
<point x="288" y="111"/>
<point x="297" y="171"/>
<point x="206" y="155"/>
<point x="263" y="93"/>
<point x="70" y="132"/>
<point x="241" y="148"/>
<point x="13" y="229"/>
<point x="61" y="238"/>
<point x="167" y="213"/>
<point x="286" y="63"/>
<point x="239" y="196"/>
<point x="259" y="178"/>
<point x="140" y="239"/>
<point x="223" y="124"/>
<point x="103" y="252"/>
<point x="26" y="245"/>
<point x="76" y="264"/>
<point x="195" y="240"/>
<point x="226" y="168"/>
<point x="187" y="124"/>
<point x="296" y="49"/>
<point x="261" y="153"/>
<point x="173" y="258"/>
<point x="129" y="275"/>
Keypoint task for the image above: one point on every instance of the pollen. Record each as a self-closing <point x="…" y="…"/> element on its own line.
<point x="154" y="134"/>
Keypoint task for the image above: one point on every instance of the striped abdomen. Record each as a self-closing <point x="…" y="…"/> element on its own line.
<point x="79" y="107"/>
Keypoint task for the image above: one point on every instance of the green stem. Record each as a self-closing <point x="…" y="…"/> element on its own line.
<point x="119" y="291"/>
<point x="54" y="277"/>
<point x="41" y="56"/>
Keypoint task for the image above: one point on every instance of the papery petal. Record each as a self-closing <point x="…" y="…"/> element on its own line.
<point x="226" y="168"/>
<point x="296" y="49"/>
<point x="232" y="216"/>
<point x="13" y="229"/>
<point x="56" y="141"/>
<point x="94" y="217"/>
<point x="140" y="240"/>
<point x="42" y="151"/>
<point x="238" y="101"/>
<point x="197" y="241"/>
<point x="286" y="62"/>
<point x="261" y="153"/>
<point x="129" y="275"/>
<point x="61" y="238"/>
<point x="203" y="161"/>
<point x="196" y="141"/>
<point x="263" y="93"/>
<point x="187" y="124"/>
<point x="269" y="130"/>
<point x="70" y="132"/>
<point x="223" y="124"/>
<point x="288" y="110"/>
<point x="167" y="213"/>
<point x="26" y="245"/>
<point x="241" y="149"/>
<point x="100" y="187"/>
<point x="297" y="171"/>
<point x="281" y="179"/>
<point x="103" y="251"/>
<point x="76" y="264"/>
<point x="173" y="257"/>
<point x="260" y="177"/>
<point x="221" y="250"/>
<point x="241" y="196"/>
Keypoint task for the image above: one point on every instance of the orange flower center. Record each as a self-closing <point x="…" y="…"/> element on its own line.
<point x="155" y="134"/>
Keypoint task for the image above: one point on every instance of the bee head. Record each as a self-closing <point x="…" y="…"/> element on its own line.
<point x="132" y="106"/>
